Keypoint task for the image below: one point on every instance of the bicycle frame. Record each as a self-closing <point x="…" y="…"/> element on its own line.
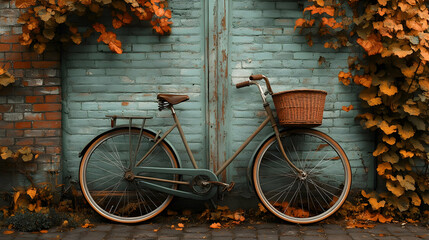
<point x="269" y="118"/>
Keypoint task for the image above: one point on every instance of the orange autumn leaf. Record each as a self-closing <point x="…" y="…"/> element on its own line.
<point x="372" y="44"/>
<point x="215" y="226"/>
<point x="376" y="204"/>
<point x="388" y="89"/>
<point x="390" y="157"/>
<point x="384" y="126"/>
<point x="389" y="140"/>
<point x="167" y="13"/>
<point x="411" y="109"/>
<point x="364" y="80"/>
<point x="320" y="10"/>
<point x="345" y="78"/>
<point x="406" y="154"/>
<point x="424" y="84"/>
<point x="407" y="182"/>
<point x="160" y="12"/>
<point x="24" y="3"/>
<point x="300" y="22"/>
<point x="44" y="231"/>
<point x="395" y="188"/>
<point x="116" y="23"/>
<point x="347" y="109"/>
<point x="382" y="167"/>
<point x="8" y="232"/>
<point x="406" y="131"/>
<point x="331" y="23"/>
<point x="381" y="148"/>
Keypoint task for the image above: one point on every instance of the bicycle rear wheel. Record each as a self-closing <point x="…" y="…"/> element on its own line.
<point x="106" y="172"/>
<point x="297" y="198"/>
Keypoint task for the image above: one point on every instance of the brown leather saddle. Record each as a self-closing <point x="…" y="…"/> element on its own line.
<point x="172" y="98"/>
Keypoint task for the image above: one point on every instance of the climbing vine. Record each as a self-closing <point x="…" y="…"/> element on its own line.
<point x="393" y="71"/>
<point x="52" y="20"/>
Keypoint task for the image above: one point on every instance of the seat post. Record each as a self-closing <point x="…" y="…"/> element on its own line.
<point x="182" y="135"/>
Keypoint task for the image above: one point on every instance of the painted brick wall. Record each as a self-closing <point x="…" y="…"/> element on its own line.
<point x="30" y="110"/>
<point x="97" y="82"/>
<point x="263" y="41"/>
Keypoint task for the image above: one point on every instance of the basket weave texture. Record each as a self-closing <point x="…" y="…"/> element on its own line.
<point x="303" y="107"/>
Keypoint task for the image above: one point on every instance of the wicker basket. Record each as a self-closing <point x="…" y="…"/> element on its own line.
<point x="302" y="107"/>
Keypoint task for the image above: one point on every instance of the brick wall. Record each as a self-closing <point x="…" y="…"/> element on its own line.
<point x="263" y="40"/>
<point x="30" y="109"/>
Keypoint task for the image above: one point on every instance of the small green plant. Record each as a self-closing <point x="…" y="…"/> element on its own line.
<point x="35" y="221"/>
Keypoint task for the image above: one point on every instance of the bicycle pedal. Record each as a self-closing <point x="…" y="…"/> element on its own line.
<point x="228" y="187"/>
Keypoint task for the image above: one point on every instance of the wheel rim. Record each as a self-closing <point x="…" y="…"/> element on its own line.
<point x="308" y="197"/>
<point x="107" y="177"/>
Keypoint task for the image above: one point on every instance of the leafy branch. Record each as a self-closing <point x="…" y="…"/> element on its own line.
<point x="43" y="19"/>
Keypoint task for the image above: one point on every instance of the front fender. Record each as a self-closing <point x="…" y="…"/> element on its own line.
<point x="82" y="153"/>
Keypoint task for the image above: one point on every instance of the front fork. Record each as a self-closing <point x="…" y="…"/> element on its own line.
<point x="301" y="174"/>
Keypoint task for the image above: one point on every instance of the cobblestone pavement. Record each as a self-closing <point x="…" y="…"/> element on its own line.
<point x="266" y="231"/>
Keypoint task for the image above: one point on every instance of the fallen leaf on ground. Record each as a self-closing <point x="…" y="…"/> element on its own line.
<point x="215" y="225"/>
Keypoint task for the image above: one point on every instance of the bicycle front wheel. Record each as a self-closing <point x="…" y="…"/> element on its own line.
<point x="106" y="175"/>
<point x="302" y="198"/>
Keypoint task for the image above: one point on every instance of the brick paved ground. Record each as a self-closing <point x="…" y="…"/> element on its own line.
<point x="264" y="231"/>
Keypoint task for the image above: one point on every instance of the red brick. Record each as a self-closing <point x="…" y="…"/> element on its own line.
<point x="47" y="90"/>
<point x="24" y="141"/>
<point x="47" y="124"/>
<point x="52" y="133"/>
<point x="53" y="141"/>
<point x="30" y="56"/>
<point x="6" y="108"/>
<point x="33" y="116"/>
<point x="33" y="133"/>
<point x="53" y="150"/>
<point x="32" y="82"/>
<point x="46" y="64"/>
<point x="53" y="115"/>
<point x="6" y="141"/>
<point x="23" y="91"/>
<point x="7" y="125"/>
<point x="22" y="125"/>
<point x="10" y="38"/>
<point x="34" y="99"/>
<point x="13" y="56"/>
<point x="19" y="48"/>
<point x="4" y="47"/>
<point x="22" y="65"/>
<point x="52" y="98"/>
<point x="46" y="107"/>
<point x="15" y="133"/>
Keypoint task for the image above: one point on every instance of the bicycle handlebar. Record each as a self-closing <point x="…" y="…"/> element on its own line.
<point x="255" y="78"/>
<point x="242" y="84"/>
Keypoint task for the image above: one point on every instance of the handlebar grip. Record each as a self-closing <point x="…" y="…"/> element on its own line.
<point x="256" y="77"/>
<point x="242" y="84"/>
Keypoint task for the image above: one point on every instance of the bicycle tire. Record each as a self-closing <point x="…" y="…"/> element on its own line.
<point x="103" y="181"/>
<point x="295" y="198"/>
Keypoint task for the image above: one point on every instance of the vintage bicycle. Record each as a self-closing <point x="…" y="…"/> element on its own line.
<point x="130" y="174"/>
